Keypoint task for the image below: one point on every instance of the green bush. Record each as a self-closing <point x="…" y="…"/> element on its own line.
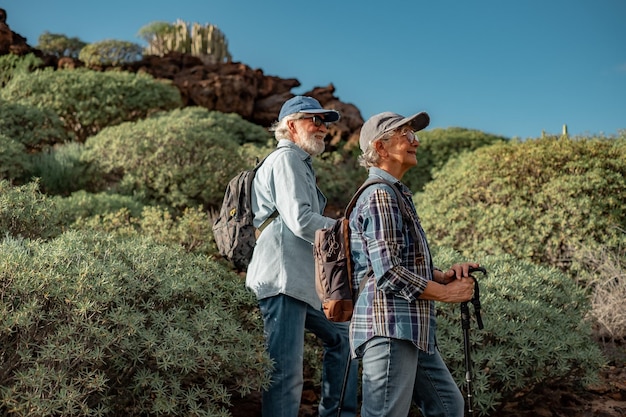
<point x="59" y="45"/>
<point x="36" y="128"/>
<point x="97" y="326"/>
<point x="438" y="146"/>
<point x="26" y="213"/>
<point x="191" y="230"/>
<point x="534" y="333"/>
<point x="110" y="53"/>
<point x="183" y="158"/>
<point x="87" y="101"/>
<point x="14" y="162"/>
<point x="60" y="170"/>
<point x="82" y="204"/>
<point x="537" y="200"/>
<point x="339" y="176"/>
<point x="11" y="64"/>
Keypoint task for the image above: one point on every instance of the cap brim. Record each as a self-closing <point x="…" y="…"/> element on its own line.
<point x="329" y="115"/>
<point x="418" y="121"/>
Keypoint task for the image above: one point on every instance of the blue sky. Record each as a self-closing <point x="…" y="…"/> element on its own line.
<point x="511" y="68"/>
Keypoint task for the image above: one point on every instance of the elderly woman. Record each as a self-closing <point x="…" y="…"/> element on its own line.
<point x="393" y="326"/>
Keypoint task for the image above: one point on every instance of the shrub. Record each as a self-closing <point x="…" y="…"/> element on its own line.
<point x="124" y="216"/>
<point x="438" y="146"/>
<point x="26" y="213"/>
<point x="35" y="128"/>
<point x="60" y="169"/>
<point x="59" y="45"/>
<point x="11" y="64"/>
<point x="606" y="271"/>
<point x="82" y="204"/>
<point x="534" y="331"/>
<point x="192" y="230"/>
<point x="339" y="176"/>
<point x="87" y="101"/>
<point x="14" y="161"/>
<point x="183" y="158"/>
<point x="538" y="200"/>
<point x="110" y="53"/>
<point x="96" y="326"/>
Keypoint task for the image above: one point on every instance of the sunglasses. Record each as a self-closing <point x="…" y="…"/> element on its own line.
<point x="317" y="121"/>
<point x="410" y="136"/>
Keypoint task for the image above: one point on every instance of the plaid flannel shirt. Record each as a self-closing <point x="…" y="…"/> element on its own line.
<point x="383" y="247"/>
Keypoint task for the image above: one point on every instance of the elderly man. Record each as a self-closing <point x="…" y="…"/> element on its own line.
<point x="281" y="272"/>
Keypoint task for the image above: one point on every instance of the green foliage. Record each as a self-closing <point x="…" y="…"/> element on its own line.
<point x="82" y="204"/>
<point x="96" y="326"/>
<point x="205" y="41"/>
<point x="534" y="331"/>
<point x="438" y="146"/>
<point x="26" y="213"/>
<point x="14" y="162"/>
<point x="59" y="45"/>
<point x="11" y="64"/>
<point x="192" y="230"/>
<point x="110" y="53"/>
<point x="339" y="177"/>
<point x="60" y="169"/>
<point x="537" y="200"/>
<point x="36" y="128"/>
<point x="183" y="158"/>
<point x="124" y="216"/>
<point x="87" y="101"/>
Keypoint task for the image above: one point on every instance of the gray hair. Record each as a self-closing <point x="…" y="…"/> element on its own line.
<point x="371" y="158"/>
<point x="280" y="129"/>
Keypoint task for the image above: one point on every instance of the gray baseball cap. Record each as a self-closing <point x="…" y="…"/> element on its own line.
<point x="382" y="123"/>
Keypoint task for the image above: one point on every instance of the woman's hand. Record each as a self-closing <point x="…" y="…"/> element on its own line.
<point x="456" y="271"/>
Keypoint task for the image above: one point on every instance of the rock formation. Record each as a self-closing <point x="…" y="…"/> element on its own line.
<point x="226" y="87"/>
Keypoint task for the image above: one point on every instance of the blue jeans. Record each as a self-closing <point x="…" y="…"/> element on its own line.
<point x="396" y="372"/>
<point x="285" y="320"/>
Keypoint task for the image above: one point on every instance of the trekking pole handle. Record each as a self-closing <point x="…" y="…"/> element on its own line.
<point x="476" y="298"/>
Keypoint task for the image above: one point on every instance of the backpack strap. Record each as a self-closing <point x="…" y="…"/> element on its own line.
<point x="401" y="203"/>
<point x="274" y="214"/>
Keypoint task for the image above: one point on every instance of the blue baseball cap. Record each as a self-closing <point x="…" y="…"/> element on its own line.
<point x="304" y="104"/>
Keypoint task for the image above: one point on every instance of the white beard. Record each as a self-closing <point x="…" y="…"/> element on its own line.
<point x="313" y="146"/>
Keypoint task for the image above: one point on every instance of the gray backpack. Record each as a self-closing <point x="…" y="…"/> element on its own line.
<point x="233" y="229"/>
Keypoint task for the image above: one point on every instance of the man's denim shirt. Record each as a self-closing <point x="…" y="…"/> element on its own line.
<point x="282" y="262"/>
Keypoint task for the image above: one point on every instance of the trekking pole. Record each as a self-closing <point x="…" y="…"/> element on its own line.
<point x="343" y="386"/>
<point x="465" y="323"/>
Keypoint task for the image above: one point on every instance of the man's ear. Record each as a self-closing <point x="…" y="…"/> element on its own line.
<point x="291" y="126"/>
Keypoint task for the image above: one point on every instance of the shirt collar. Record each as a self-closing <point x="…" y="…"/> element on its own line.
<point x="286" y="143"/>
<point x="381" y="173"/>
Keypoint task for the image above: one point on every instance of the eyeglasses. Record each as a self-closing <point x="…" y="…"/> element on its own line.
<point x="410" y="136"/>
<point x="317" y="121"/>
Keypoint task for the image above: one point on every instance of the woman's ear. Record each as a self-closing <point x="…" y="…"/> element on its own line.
<point x="380" y="148"/>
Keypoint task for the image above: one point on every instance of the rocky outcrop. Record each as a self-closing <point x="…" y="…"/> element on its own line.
<point x="231" y="87"/>
<point x="11" y="42"/>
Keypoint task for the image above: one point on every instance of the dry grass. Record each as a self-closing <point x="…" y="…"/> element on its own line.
<point x="608" y="292"/>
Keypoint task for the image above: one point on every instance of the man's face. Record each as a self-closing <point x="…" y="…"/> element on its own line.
<point x="309" y="134"/>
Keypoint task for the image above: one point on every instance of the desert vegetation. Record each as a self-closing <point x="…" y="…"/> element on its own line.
<point x="114" y="301"/>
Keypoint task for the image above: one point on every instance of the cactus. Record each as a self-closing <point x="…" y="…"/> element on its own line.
<point x="205" y="41"/>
